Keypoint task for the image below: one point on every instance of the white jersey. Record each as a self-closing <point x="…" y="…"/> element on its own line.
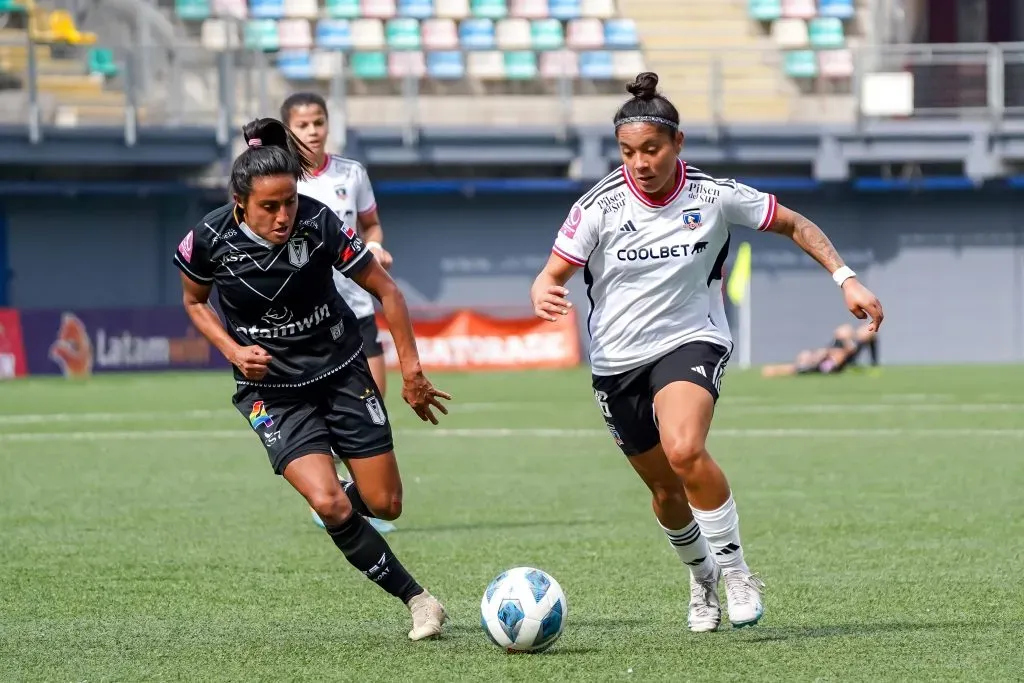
<point x="344" y="185"/>
<point x="654" y="269"/>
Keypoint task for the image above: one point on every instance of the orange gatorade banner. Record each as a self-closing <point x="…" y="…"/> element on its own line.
<point x="467" y="340"/>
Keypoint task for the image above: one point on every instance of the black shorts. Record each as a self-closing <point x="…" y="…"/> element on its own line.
<point x="371" y="337"/>
<point x="627" y="400"/>
<point x="342" y="412"/>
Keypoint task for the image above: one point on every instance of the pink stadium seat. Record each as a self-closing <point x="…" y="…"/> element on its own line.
<point x="585" y="34"/>
<point x="295" y="34"/>
<point x="440" y="34"/>
<point x="835" y="63"/>
<point x="530" y="9"/>
<point x="560" y="64"/>
<point x="451" y="9"/>
<point x="513" y="34"/>
<point x="799" y="9"/>
<point x="487" y="65"/>
<point x="367" y="34"/>
<point x="380" y="9"/>
<point x="230" y="8"/>
<point x="406" y="63"/>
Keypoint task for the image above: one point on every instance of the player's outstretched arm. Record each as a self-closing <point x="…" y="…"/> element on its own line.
<point x="809" y="237"/>
<point x="548" y="293"/>
<point x="417" y="390"/>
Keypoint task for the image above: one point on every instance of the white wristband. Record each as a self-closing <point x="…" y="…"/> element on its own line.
<point x="374" y="245"/>
<point x="842" y="275"/>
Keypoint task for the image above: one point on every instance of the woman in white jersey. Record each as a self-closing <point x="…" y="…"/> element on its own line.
<point x="343" y="185"/>
<point x="652" y="237"/>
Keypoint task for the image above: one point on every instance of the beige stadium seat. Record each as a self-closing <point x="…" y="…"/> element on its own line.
<point x="790" y="33"/>
<point x="559" y="64"/>
<point x="295" y="34"/>
<point x="440" y="34"/>
<point x="451" y="9"/>
<point x="367" y="34"/>
<point x="602" y="9"/>
<point x="513" y="34"/>
<point x="238" y="9"/>
<point x="301" y="9"/>
<point x="487" y="65"/>
<point x="628" y="64"/>
<point x="326" y="64"/>
<point x="217" y="35"/>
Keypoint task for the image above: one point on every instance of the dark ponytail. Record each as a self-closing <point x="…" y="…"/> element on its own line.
<point x="647" y="105"/>
<point x="271" y="149"/>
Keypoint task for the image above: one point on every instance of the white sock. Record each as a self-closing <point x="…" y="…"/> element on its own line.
<point x="692" y="549"/>
<point x="721" y="527"/>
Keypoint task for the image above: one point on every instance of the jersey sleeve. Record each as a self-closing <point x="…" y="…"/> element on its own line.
<point x="578" y="236"/>
<point x="365" y="201"/>
<point x="750" y="208"/>
<point x="351" y="254"/>
<point x="192" y="257"/>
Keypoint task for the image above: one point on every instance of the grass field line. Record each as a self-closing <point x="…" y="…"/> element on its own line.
<point x="495" y="433"/>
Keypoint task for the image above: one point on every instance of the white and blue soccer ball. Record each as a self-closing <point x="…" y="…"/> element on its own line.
<point x="523" y="610"/>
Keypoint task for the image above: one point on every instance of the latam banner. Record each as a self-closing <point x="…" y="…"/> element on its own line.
<point x="12" y="350"/>
<point x="467" y="340"/>
<point x="80" y="342"/>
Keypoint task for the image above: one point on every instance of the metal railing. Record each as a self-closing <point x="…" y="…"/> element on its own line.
<point x="194" y="87"/>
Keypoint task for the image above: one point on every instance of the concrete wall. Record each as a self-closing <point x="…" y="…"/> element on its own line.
<point x="949" y="267"/>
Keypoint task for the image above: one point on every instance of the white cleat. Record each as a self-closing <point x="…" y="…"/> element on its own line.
<point x="743" y="594"/>
<point x="705" y="609"/>
<point x="428" y="615"/>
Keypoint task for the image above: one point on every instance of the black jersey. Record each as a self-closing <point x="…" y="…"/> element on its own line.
<point x="281" y="297"/>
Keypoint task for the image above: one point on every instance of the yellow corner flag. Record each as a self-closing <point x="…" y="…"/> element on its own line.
<point x="739" y="278"/>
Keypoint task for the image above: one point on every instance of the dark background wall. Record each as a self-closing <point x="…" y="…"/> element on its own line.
<point x="949" y="267"/>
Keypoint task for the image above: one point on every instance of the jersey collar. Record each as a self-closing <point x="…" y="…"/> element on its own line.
<point x="248" y="232"/>
<point x="652" y="203"/>
<point x="323" y="167"/>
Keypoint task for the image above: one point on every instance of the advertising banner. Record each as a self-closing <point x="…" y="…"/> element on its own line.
<point x="80" y="342"/>
<point x="467" y="340"/>
<point x="12" y="351"/>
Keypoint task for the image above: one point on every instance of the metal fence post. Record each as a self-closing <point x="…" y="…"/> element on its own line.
<point x="131" y="128"/>
<point x="996" y="73"/>
<point x="34" y="114"/>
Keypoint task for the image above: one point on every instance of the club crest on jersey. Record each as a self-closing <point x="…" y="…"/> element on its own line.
<point x="341" y="192"/>
<point x="258" y="416"/>
<point x="692" y="220"/>
<point x="298" y="252"/>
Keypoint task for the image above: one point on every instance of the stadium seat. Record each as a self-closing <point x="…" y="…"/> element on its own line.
<point x="446" y="65"/>
<point x="407" y="63"/>
<point x="628" y="63"/>
<point x="530" y="9"/>
<point x="564" y="9"/>
<point x="63" y="28"/>
<point x="790" y="33"/>
<point x="559" y="64"/>
<point x="597" y="65"/>
<point x="187" y="10"/>
<point x="326" y="64"/>
<point x="835" y="63"/>
<point x="765" y="10"/>
<point x="403" y="34"/>
<point x="513" y="34"/>
<point x="521" y="65"/>
<point x="230" y="8"/>
<point x="369" y="66"/>
<point x="367" y="34"/>
<point x="489" y="9"/>
<point x="451" y="9"/>
<point x="800" y="64"/>
<point x="266" y="9"/>
<point x="301" y="9"/>
<point x="841" y="9"/>
<point x="600" y="9"/>
<point x="799" y="9"/>
<point x="12" y="7"/>
<point x="378" y="9"/>
<point x="826" y="32"/>
<point x="439" y="34"/>
<point x="416" y="9"/>
<point x="261" y="34"/>
<point x="295" y="65"/>
<point x="334" y="34"/>
<point x="621" y="33"/>
<point x="487" y="65"/>
<point x="295" y="34"/>
<point x="585" y="34"/>
<point x="343" y="9"/>
<point x="476" y="34"/>
<point x="217" y="35"/>
<point x="547" y="34"/>
<point x="101" y="61"/>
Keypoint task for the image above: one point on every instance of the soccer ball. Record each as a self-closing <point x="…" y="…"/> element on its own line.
<point x="523" y="610"/>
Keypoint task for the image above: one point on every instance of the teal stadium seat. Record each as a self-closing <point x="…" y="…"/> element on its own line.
<point x="521" y="65"/>
<point x="188" y="10"/>
<point x="801" y="64"/>
<point x="261" y="34"/>
<point x="765" y="10"/>
<point x="101" y="61"/>
<point x="402" y="34"/>
<point x="826" y="32"/>
<point x="489" y="9"/>
<point x="343" y="9"/>
<point x="369" y="66"/>
<point x="13" y="7"/>
<point x="547" y="34"/>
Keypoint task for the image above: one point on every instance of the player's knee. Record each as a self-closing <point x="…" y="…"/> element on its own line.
<point x="331" y="505"/>
<point x="684" y="449"/>
<point x="384" y="504"/>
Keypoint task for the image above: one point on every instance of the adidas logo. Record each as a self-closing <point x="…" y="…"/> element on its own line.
<point x="699" y="369"/>
<point x="628" y="227"/>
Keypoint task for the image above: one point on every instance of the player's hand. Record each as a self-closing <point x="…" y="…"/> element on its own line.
<point x="253" y="361"/>
<point x="384" y="256"/>
<point x="862" y="303"/>
<point x="551" y="302"/>
<point x="421" y="395"/>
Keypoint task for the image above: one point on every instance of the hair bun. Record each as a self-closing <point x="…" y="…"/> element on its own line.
<point x="269" y="133"/>
<point x="645" y="86"/>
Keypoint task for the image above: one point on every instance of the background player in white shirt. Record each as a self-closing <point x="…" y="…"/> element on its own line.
<point x="343" y="185"/>
<point x="653" y="237"/>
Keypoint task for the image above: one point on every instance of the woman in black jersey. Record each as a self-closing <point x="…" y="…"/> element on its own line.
<point x="303" y="382"/>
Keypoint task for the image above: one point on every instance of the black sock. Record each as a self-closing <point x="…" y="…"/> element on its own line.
<point x="357" y="501"/>
<point x="368" y="552"/>
<point x="873" y="349"/>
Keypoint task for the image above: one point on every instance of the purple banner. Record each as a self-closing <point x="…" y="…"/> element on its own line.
<point x="80" y="342"/>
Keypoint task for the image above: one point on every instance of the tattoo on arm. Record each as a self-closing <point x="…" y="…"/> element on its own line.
<point x="812" y="240"/>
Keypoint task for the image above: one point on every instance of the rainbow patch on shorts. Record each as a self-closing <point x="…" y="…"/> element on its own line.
<point x="258" y="416"/>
